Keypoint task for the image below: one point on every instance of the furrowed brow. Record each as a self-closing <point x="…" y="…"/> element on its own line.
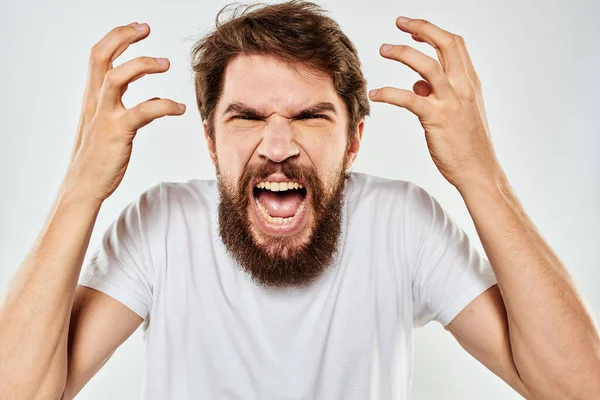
<point x="242" y="109"/>
<point x="321" y="107"/>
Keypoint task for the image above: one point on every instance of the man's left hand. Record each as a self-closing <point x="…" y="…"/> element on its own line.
<point x="448" y="102"/>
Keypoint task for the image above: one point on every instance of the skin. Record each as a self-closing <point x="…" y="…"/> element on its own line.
<point x="54" y="336"/>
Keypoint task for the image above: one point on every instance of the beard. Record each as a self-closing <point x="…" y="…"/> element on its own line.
<point x="275" y="261"/>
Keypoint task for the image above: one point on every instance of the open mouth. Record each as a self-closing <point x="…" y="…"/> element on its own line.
<point x="280" y="205"/>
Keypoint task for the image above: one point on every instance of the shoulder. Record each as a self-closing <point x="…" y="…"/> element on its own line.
<point x="368" y="190"/>
<point x="195" y="191"/>
<point x="166" y="193"/>
<point x="169" y="198"/>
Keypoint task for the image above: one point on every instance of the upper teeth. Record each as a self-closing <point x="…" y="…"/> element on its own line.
<point x="279" y="186"/>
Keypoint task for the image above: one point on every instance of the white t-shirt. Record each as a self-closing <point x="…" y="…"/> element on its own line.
<point x="211" y="333"/>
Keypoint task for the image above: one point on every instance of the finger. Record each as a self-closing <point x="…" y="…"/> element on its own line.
<point x="429" y="68"/>
<point x="402" y="98"/>
<point x="417" y="38"/>
<point x="103" y="53"/>
<point x="149" y="110"/>
<point x="422" y="88"/>
<point x="124" y="88"/>
<point x="445" y="43"/>
<point x="117" y="78"/>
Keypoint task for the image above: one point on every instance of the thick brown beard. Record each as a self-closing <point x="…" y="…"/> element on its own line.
<point x="282" y="261"/>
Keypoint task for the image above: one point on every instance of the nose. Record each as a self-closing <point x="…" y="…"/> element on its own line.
<point x="278" y="140"/>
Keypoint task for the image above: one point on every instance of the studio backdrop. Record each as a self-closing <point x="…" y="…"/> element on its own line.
<point x="538" y="62"/>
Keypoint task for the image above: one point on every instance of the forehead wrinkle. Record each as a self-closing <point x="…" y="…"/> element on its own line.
<point x="276" y="81"/>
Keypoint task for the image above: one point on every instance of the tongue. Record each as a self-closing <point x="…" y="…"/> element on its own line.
<point x="280" y="204"/>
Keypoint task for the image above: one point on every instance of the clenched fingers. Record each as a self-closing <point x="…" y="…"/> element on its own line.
<point x="118" y="78"/>
<point x="149" y="110"/>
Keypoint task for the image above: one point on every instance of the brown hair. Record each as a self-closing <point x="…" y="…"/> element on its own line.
<point x="295" y="32"/>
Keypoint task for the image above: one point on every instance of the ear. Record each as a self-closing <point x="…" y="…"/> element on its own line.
<point x="212" y="148"/>
<point x="352" y="150"/>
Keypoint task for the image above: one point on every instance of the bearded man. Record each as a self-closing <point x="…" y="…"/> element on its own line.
<point x="288" y="276"/>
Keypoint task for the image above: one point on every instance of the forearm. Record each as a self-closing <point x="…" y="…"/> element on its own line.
<point x="555" y="344"/>
<point x="35" y="310"/>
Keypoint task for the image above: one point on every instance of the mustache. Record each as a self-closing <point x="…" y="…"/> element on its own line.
<point x="290" y="169"/>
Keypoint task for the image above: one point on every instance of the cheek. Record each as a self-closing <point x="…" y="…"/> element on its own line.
<point x="234" y="152"/>
<point x="326" y="150"/>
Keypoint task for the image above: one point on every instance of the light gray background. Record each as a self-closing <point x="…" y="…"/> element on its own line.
<point x="538" y="61"/>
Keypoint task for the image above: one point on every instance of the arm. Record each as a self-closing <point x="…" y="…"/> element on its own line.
<point x="99" y="324"/>
<point x="532" y="329"/>
<point x="35" y="310"/>
<point x="555" y="345"/>
<point x="50" y="337"/>
<point x="53" y="336"/>
<point x="481" y="329"/>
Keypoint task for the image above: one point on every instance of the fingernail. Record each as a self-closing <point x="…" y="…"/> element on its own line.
<point x="181" y="106"/>
<point x="403" y="20"/>
<point x="373" y="92"/>
<point x="140" y="27"/>
<point x="162" y="61"/>
<point x="132" y="24"/>
<point x="386" y="47"/>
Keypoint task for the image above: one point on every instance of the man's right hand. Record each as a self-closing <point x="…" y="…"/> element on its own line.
<point x="54" y="335"/>
<point x="106" y="128"/>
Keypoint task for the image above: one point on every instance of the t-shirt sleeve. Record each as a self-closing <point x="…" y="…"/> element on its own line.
<point x="447" y="271"/>
<point x="123" y="264"/>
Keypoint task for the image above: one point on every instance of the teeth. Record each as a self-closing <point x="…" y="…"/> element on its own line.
<point x="279" y="186"/>
<point x="300" y="208"/>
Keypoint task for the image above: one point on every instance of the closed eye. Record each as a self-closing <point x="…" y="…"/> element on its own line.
<point x="246" y="118"/>
<point x="306" y="116"/>
<point x="313" y="116"/>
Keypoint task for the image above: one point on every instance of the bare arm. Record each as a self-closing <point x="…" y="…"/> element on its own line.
<point x="44" y="348"/>
<point x="481" y="328"/>
<point x="533" y="330"/>
<point x="35" y="311"/>
<point x="99" y="324"/>
<point x="555" y="344"/>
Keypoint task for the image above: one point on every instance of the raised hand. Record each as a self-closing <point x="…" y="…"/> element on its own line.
<point x="106" y="129"/>
<point x="448" y="103"/>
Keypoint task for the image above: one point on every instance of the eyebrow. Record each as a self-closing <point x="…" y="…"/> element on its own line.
<point x="246" y="110"/>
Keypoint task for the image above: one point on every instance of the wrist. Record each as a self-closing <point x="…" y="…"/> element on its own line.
<point x="482" y="187"/>
<point x="73" y="194"/>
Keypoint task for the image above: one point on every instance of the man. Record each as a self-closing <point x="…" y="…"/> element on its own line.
<point x="289" y="277"/>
